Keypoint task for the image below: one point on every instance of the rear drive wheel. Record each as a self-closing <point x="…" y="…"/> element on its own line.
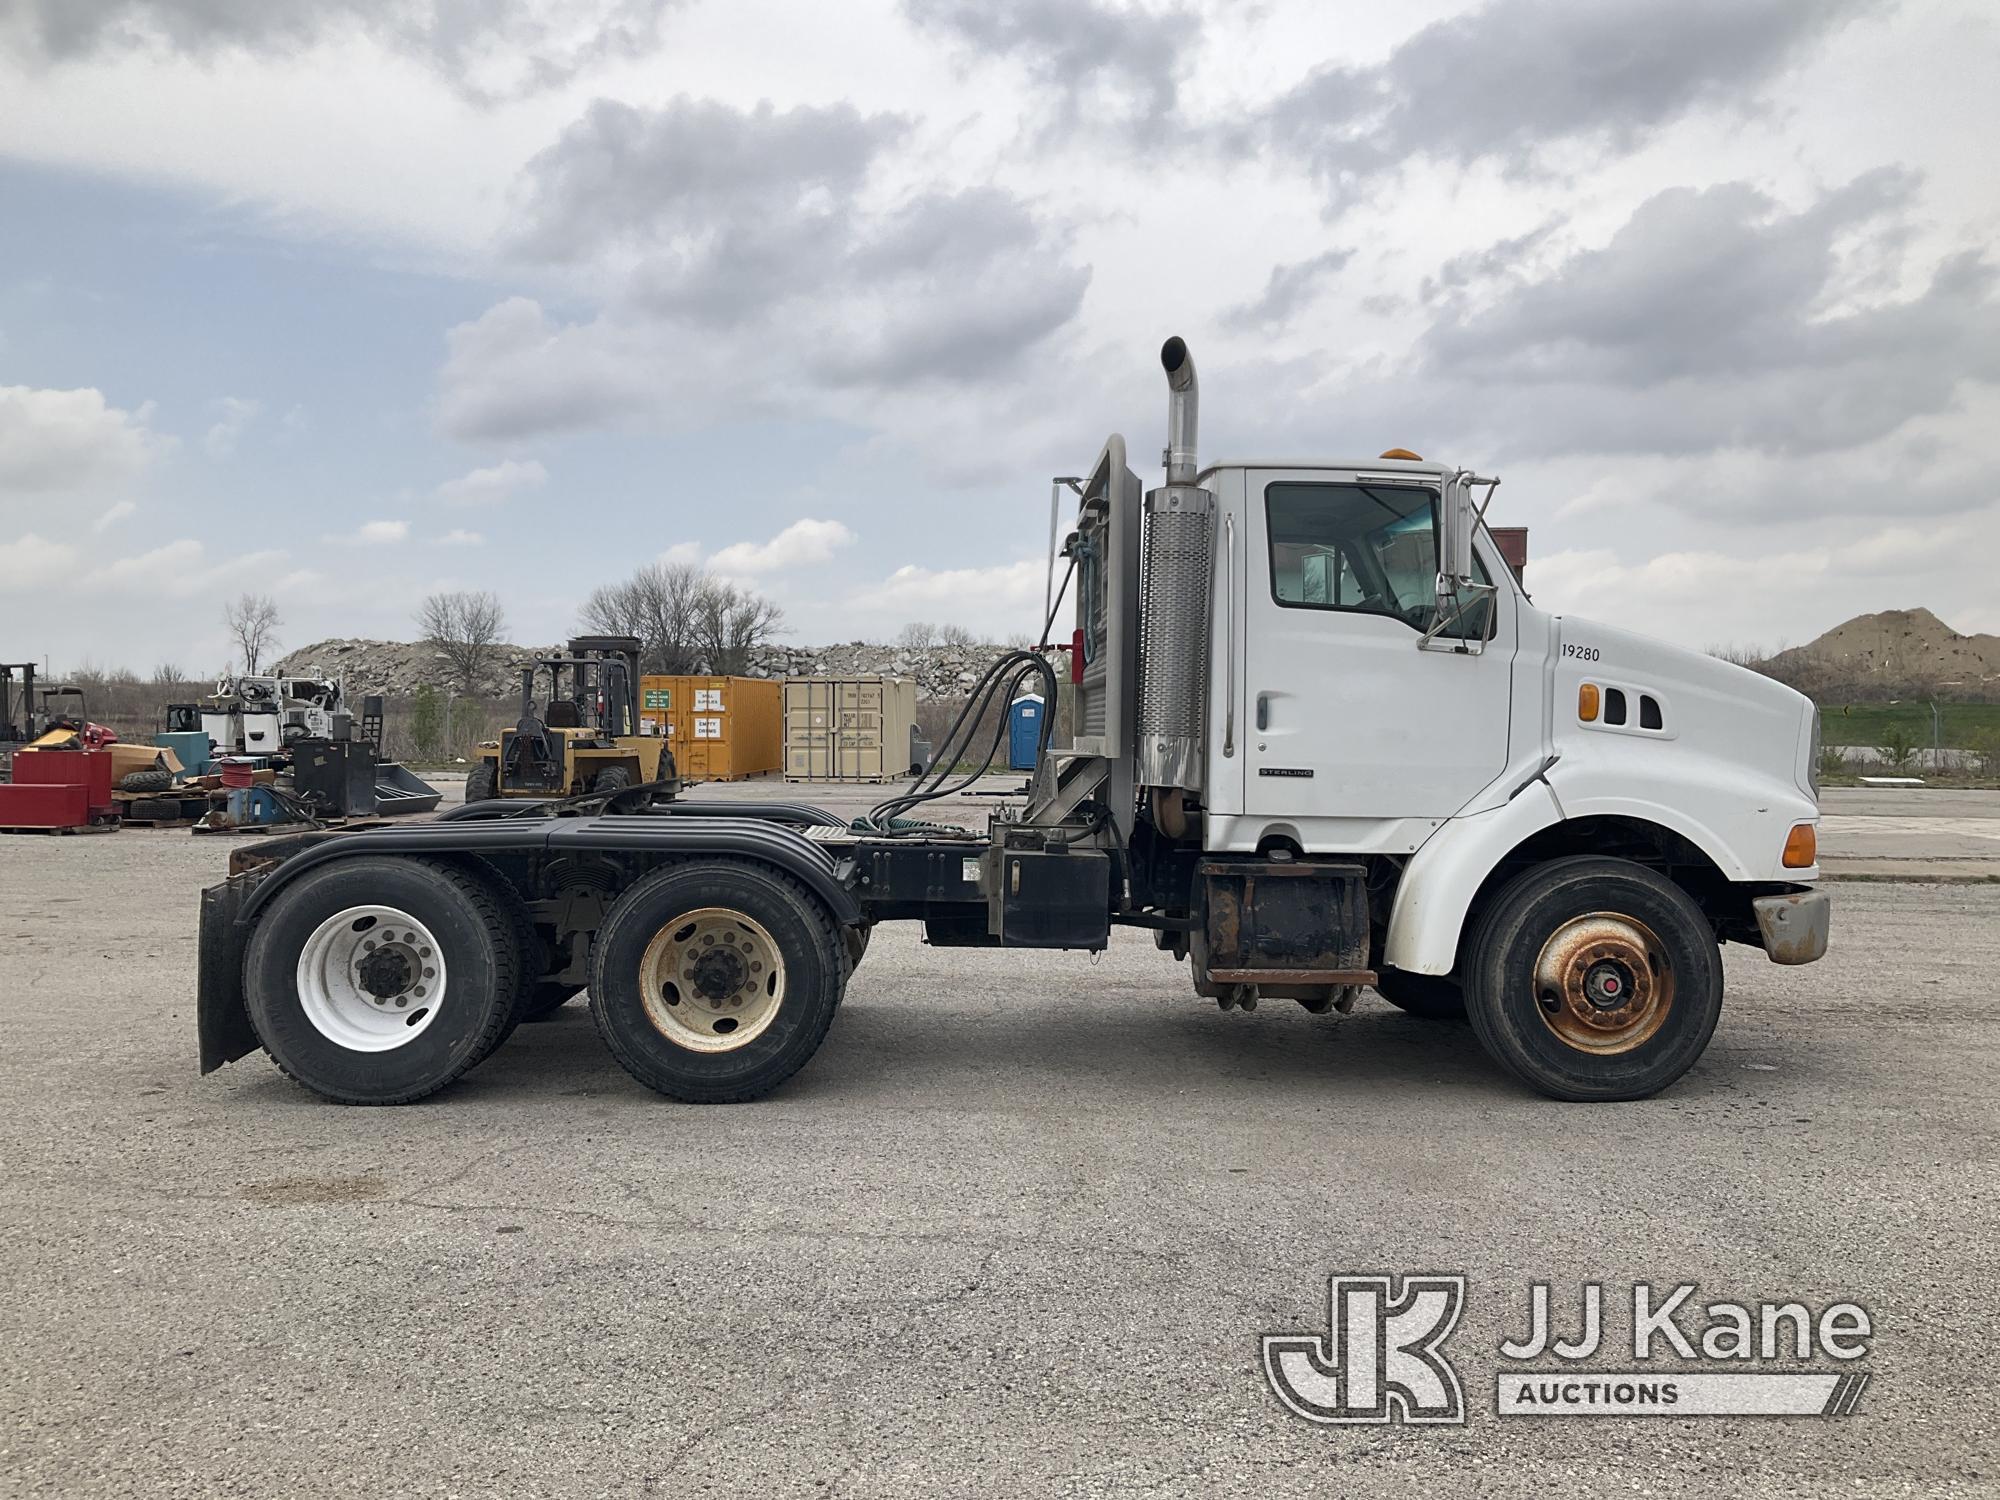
<point x="1431" y="996"/>
<point x="378" y="981"/>
<point x="482" y="782"/>
<point x="715" y="982"/>
<point x="1594" y="979"/>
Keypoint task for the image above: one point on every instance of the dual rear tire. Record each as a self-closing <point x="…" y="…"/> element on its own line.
<point x="381" y="980"/>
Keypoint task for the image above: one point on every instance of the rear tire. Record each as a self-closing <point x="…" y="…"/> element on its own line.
<point x="1431" y="996"/>
<point x="715" y="982"/>
<point x="482" y="782"/>
<point x="380" y="980"/>
<point x="1594" y="979"/>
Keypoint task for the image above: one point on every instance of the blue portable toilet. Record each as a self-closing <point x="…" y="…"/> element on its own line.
<point x="1024" y="731"/>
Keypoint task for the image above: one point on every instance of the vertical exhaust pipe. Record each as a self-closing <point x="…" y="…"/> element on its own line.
<point x="1177" y="565"/>
<point x="1183" y="411"/>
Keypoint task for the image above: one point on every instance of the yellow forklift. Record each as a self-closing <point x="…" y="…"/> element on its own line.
<point x="586" y="737"/>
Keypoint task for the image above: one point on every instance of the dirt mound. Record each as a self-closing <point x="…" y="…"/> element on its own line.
<point x="1903" y="646"/>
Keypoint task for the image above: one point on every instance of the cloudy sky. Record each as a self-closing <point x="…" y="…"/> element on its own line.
<point x="350" y="300"/>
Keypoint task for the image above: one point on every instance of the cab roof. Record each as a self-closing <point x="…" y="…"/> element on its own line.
<point x="1423" y="469"/>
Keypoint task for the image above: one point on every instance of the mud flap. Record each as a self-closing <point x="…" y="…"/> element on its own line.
<point x="222" y="1021"/>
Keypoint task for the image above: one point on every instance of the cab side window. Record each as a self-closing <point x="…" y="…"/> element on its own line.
<point x="1364" y="548"/>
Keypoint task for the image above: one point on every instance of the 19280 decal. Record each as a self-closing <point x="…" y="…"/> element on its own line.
<point x="1581" y="653"/>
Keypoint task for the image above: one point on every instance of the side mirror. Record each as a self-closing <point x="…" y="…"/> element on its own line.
<point x="1457" y="520"/>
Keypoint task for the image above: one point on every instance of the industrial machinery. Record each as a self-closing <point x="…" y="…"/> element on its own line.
<point x="263" y="715"/>
<point x="18" y="724"/>
<point x="585" y="736"/>
<point x="1321" y="740"/>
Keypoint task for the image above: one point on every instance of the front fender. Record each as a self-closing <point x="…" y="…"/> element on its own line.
<point x="1445" y="874"/>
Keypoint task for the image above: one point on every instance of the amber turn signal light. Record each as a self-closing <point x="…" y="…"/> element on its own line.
<point x="1586" y="703"/>
<point x="1801" y="847"/>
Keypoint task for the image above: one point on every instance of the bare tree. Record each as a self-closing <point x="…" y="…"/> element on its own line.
<point x="686" y="620"/>
<point x="658" y="604"/>
<point x="918" y="635"/>
<point x="169" y="675"/>
<point x="463" y="628"/>
<point x="253" y="621"/>
<point x="730" y="623"/>
<point x="956" y="636"/>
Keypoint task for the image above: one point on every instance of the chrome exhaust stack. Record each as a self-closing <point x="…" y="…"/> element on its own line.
<point x="1183" y="411"/>
<point x="1177" y="572"/>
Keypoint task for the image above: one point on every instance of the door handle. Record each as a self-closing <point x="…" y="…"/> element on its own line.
<point x="1229" y="633"/>
<point x="1263" y="712"/>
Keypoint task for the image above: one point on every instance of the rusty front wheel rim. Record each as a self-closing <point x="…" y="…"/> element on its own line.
<point x="713" y="980"/>
<point x="1603" y="983"/>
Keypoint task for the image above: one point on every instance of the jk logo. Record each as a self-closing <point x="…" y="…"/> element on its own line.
<point x="1380" y="1360"/>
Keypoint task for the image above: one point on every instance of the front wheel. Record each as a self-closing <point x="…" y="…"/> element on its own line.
<point x="715" y="982"/>
<point x="380" y="980"/>
<point x="1594" y="979"/>
<point x="482" y="782"/>
<point x="612" y="779"/>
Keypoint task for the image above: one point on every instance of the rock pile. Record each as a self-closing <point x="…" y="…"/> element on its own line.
<point x="398" y="669"/>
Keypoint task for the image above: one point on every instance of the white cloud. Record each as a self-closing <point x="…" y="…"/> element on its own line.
<point x="119" y="512"/>
<point x="234" y="414"/>
<point x="181" y="570"/>
<point x="458" y="536"/>
<point x="1003" y="585"/>
<point x="682" y="553"/>
<point x="1703" y="596"/>
<point x="490" y="486"/>
<point x="34" y="561"/>
<point x="66" y="440"/>
<point x="382" y="531"/>
<point x="799" y="544"/>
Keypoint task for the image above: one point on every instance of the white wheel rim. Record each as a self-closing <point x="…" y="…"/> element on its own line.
<point x="371" y="978"/>
<point x="713" y="980"/>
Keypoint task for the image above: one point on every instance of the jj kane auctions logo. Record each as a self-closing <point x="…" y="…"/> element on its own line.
<point x="1382" y="1357"/>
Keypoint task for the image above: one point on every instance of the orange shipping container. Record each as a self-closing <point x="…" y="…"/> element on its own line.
<point x="719" y="728"/>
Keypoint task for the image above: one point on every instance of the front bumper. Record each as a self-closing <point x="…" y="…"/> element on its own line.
<point x="1794" y="925"/>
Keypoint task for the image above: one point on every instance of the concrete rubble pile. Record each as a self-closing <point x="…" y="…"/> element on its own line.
<point x="398" y="669"/>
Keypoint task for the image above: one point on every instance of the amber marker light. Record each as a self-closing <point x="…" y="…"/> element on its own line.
<point x="1586" y="703"/>
<point x="1801" y="847"/>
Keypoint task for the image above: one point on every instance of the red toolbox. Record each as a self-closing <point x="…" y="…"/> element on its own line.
<point x="89" y="769"/>
<point x="54" y="805"/>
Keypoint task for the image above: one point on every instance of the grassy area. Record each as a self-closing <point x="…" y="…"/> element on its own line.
<point x="1961" y="725"/>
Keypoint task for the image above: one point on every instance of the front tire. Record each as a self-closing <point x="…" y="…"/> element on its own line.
<point x="1594" y="979"/>
<point x="378" y="981"/>
<point x="612" y="779"/>
<point x="715" y="982"/>
<point x="482" y="782"/>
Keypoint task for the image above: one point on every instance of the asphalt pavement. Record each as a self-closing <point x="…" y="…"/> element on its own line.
<point x="1016" y="1230"/>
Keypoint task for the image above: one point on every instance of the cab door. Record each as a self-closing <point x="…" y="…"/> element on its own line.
<point x="1344" y="713"/>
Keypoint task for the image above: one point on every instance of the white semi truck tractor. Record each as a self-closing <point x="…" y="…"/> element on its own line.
<point x="1320" y="741"/>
